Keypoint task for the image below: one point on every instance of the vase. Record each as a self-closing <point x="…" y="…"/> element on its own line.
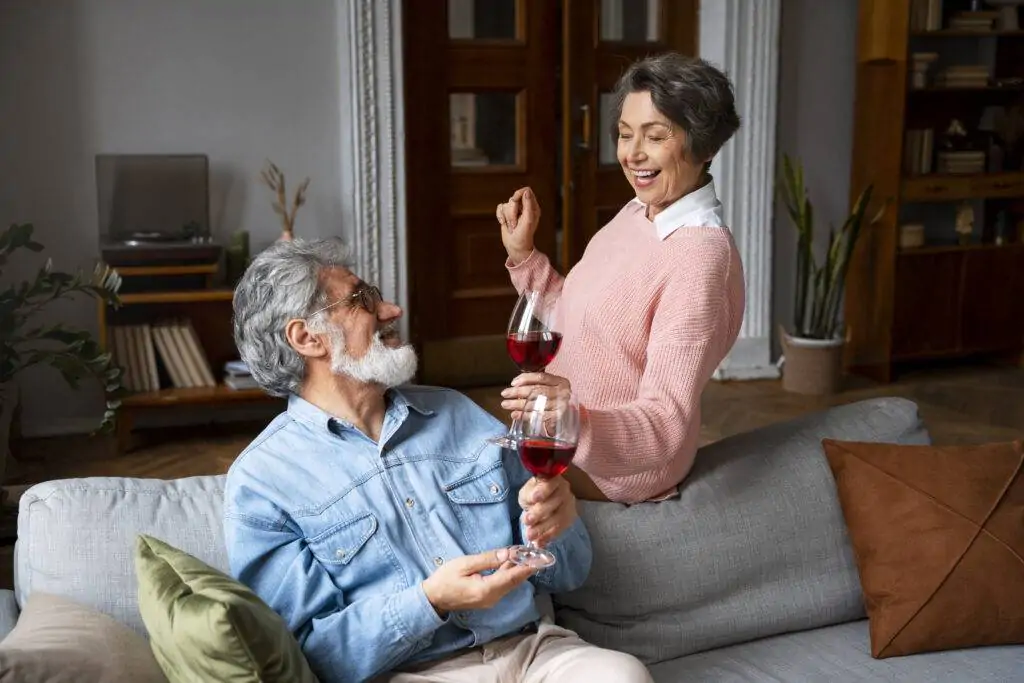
<point x="811" y="366"/>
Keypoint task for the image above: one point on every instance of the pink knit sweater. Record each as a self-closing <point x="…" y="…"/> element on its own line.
<point x="645" y="323"/>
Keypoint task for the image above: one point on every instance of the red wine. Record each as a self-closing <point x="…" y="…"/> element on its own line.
<point x="546" y="457"/>
<point x="532" y="351"/>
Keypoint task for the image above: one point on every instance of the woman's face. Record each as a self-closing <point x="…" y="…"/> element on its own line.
<point x="651" y="152"/>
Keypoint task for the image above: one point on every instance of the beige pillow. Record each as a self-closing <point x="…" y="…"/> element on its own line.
<point x="57" y="640"/>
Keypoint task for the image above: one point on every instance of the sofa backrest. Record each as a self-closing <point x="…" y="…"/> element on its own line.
<point x="756" y="545"/>
<point x="76" y="537"/>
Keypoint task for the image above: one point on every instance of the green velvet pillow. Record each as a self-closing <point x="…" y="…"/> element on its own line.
<point x="205" y="626"/>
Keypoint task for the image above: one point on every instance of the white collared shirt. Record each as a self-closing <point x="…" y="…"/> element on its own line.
<point x="700" y="208"/>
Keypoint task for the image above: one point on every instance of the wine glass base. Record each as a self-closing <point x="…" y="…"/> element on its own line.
<point x="529" y="556"/>
<point x="505" y="441"/>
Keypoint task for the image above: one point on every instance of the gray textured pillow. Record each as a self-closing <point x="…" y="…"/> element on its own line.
<point x="755" y="546"/>
<point x="57" y="640"/>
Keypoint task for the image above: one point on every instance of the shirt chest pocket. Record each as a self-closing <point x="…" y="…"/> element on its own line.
<point x="481" y="502"/>
<point x="358" y="557"/>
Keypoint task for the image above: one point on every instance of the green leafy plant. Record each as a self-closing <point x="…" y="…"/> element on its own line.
<point x="819" y="287"/>
<point x="73" y="353"/>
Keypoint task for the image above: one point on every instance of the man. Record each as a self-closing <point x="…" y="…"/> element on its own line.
<point x="375" y="519"/>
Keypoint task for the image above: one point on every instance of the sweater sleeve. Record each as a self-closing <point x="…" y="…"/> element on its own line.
<point x="536" y="273"/>
<point x="640" y="449"/>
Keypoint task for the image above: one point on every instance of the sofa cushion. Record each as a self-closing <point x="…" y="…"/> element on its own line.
<point x="58" y="640"/>
<point x="206" y="626"/>
<point x="938" y="534"/>
<point x="839" y="654"/>
<point x="754" y="546"/>
<point x="76" y="537"/>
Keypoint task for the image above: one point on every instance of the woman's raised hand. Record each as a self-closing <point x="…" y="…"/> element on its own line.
<point x="518" y="218"/>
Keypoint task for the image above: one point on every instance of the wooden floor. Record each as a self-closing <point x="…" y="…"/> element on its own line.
<point x="959" y="406"/>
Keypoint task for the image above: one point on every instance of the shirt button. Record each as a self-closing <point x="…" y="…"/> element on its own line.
<point x="409" y="502"/>
<point x="438" y="561"/>
<point x="494" y="489"/>
<point x="339" y="553"/>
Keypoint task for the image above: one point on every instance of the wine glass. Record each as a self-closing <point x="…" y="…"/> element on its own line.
<point x="547" y="442"/>
<point x="531" y="344"/>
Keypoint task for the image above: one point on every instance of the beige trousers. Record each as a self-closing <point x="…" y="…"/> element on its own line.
<point x="551" y="655"/>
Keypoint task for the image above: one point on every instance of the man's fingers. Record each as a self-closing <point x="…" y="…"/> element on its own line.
<point x="474" y="564"/>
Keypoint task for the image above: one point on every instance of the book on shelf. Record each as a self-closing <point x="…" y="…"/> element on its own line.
<point x="238" y="377"/>
<point x="171" y="345"/>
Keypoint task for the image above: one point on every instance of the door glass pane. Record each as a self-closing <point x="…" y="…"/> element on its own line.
<point x="630" y="21"/>
<point x="606" y="143"/>
<point x="482" y="19"/>
<point x="483" y="129"/>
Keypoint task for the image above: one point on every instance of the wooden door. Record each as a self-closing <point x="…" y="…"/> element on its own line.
<point x="487" y="85"/>
<point x="481" y="92"/>
<point x="601" y="38"/>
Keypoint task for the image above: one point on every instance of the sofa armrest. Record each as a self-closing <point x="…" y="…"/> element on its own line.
<point x="9" y="612"/>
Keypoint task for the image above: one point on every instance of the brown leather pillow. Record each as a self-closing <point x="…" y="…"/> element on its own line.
<point x="938" y="535"/>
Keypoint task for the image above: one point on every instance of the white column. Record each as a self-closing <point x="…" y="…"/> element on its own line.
<point x="372" y="153"/>
<point x="742" y="38"/>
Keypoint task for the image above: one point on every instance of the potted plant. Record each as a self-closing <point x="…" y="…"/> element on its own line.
<point x="813" y="349"/>
<point x="73" y="353"/>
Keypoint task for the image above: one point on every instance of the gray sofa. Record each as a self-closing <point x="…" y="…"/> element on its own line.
<point x="748" y="576"/>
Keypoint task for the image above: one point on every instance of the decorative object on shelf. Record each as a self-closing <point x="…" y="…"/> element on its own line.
<point x="274" y="178"/>
<point x="921" y="62"/>
<point x="911" y="235"/>
<point x="960" y="152"/>
<point x="964" y="222"/>
<point x="236" y="257"/>
<point x="73" y="353"/>
<point x="1002" y="232"/>
<point x="1008" y="20"/>
<point x="813" y="349"/>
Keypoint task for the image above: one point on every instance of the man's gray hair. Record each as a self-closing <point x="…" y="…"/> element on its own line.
<point x="283" y="283"/>
<point x="690" y="92"/>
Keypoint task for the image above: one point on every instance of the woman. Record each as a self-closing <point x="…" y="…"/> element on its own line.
<point x="656" y="302"/>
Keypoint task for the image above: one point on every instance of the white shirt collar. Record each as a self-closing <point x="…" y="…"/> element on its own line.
<point x="700" y="208"/>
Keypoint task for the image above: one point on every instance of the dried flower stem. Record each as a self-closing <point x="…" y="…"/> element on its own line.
<point x="274" y="179"/>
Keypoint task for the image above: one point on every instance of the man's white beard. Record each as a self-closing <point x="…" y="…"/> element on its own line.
<point x="381" y="364"/>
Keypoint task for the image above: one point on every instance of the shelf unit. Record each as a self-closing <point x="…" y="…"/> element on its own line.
<point x="946" y="299"/>
<point x="151" y="294"/>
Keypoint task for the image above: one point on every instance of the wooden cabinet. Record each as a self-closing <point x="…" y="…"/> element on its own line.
<point x="953" y="297"/>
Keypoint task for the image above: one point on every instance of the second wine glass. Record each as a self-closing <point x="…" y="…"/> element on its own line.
<point x="547" y="444"/>
<point x="532" y="344"/>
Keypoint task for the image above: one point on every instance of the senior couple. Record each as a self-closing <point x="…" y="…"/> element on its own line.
<point x="375" y="517"/>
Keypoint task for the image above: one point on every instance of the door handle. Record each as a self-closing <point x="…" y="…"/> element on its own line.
<point x="585" y="112"/>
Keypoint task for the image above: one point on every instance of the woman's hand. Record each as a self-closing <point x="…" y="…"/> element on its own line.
<point x="518" y="218"/>
<point x="516" y="397"/>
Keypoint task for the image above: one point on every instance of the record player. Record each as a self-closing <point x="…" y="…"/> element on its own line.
<point x="154" y="210"/>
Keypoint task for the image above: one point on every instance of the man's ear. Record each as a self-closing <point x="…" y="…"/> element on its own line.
<point x="301" y="339"/>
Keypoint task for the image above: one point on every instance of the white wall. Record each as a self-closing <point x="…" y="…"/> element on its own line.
<point x="240" y="80"/>
<point x="815" y="124"/>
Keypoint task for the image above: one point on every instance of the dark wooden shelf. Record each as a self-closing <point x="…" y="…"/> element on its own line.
<point x="965" y="33"/>
<point x="194" y="396"/>
<point x="186" y="297"/>
<point x="956" y="248"/>
<point x="939" y="187"/>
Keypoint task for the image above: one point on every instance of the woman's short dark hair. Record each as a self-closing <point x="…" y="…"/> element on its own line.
<point x="690" y="92"/>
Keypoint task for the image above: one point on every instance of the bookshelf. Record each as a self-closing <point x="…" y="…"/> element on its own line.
<point x="172" y="336"/>
<point x="939" y="132"/>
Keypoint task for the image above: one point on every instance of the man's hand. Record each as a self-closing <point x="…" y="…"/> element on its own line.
<point x="550" y="509"/>
<point x="459" y="585"/>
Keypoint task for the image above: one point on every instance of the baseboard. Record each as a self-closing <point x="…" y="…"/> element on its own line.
<point x="749" y="359"/>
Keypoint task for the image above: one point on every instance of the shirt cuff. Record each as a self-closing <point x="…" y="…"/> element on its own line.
<point x="521" y="264"/>
<point x="414" y="614"/>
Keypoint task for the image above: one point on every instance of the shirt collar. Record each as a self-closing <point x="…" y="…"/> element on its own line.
<point x="301" y="409"/>
<point x="699" y="208"/>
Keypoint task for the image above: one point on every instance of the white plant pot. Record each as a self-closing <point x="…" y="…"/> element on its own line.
<point x="811" y="366"/>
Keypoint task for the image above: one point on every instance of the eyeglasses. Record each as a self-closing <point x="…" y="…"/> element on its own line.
<point x="366" y="296"/>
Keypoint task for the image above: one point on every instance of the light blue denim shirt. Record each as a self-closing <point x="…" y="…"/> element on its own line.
<point x="337" y="533"/>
